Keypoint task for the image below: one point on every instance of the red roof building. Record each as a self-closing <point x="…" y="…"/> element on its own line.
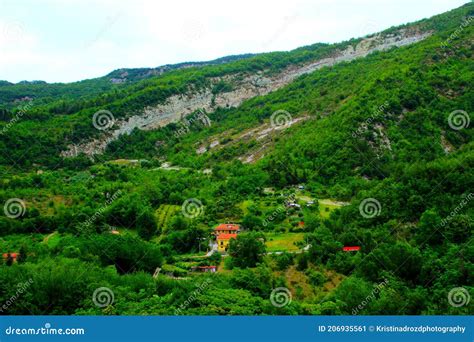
<point x="223" y="241"/>
<point x="227" y="228"/>
<point x="225" y="236"/>
<point x="351" y="248"/>
<point x="12" y="255"/>
<point x="211" y="269"/>
<point x="224" y="232"/>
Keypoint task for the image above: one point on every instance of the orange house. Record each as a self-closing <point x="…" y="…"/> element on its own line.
<point x="223" y="241"/>
<point x="227" y="228"/>
<point x="224" y="232"/>
<point x="14" y="256"/>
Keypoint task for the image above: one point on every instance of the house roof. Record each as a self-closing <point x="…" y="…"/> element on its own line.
<point x="226" y="236"/>
<point x="207" y="267"/>
<point x="227" y="226"/>
<point x="13" y="255"/>
<point x="350" y="248"/>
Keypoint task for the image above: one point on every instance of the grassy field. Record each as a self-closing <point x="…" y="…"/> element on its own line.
<point x="127" y="162"/>
<point x="283" y="242"/>
<point x="327" y="205"/>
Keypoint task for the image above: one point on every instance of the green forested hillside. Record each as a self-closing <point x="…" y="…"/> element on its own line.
<point x="375" y="153"/>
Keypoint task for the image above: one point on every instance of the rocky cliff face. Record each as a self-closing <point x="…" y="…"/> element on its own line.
<point x="179" y="106"/>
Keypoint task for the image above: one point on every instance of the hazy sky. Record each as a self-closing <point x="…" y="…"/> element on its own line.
<point x="69" y="40"/>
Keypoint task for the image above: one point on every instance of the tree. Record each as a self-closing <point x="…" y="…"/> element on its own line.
<point x="178" y="223"/>
<point x="284" y="260"/>
<point x="9" y="260"/>
<point x="251" y="222"/>
<point x="21" y="258"/>
<point x="312" y="221"/>
<point x="353" y="292"/>
<point x="146" y="225"/>
<point x="125" y="210"/>
<point x="258" y="280"/>
<point x="429" y="228"/>
<point x="323" y="245"/>
<point x="247" y="250"/>
<point x="459" y="229"/>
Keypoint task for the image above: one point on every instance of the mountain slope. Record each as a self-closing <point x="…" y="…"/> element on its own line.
<point x="323" y="146"/>
<point x="157" y="101"/>
<point x="41" y="92"/>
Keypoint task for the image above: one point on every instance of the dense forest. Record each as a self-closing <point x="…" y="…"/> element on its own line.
<point x="352" y="186"/>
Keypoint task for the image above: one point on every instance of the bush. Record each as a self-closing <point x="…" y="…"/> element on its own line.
<point x="284" y="260"/>
<point x="316" y="278"/>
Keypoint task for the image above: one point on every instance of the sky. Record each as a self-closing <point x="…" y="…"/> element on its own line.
<point x="71" y="40"/>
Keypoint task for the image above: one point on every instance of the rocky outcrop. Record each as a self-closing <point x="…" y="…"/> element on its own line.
<point x="245" y="87"/>
<point x="262" y="134"/>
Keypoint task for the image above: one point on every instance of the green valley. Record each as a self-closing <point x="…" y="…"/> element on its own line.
<point x="330" y="170"/>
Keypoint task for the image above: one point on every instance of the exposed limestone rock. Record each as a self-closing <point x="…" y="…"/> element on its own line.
<point x="179" y="106"/>
<point x="263" y="135"/>
<point x="447" y="147"/>
<point x="381" y="138"/>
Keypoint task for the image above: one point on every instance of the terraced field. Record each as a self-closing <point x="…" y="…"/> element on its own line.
<point x="164" y="213"/>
